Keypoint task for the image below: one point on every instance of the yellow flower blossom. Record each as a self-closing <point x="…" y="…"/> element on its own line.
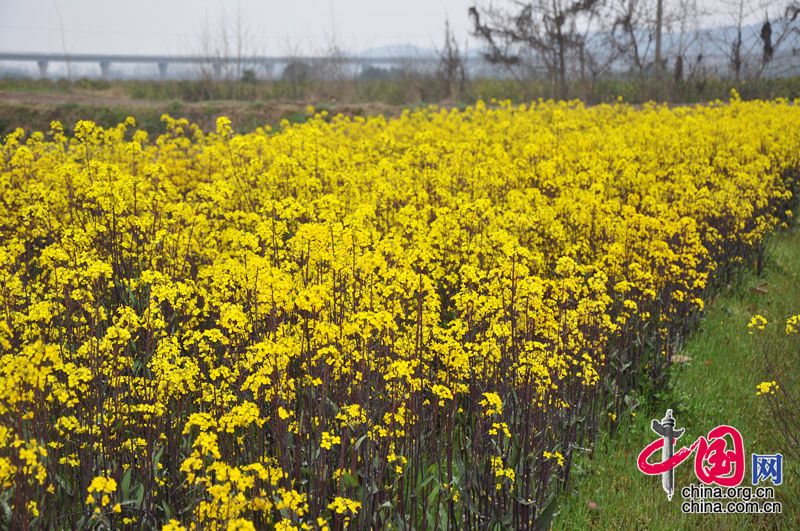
<point x="767" y="388"/>
<point x="329" y="440"/>
<point x="757" y="322"/>
<point x="344" y="506"/>
<point x="245" y="318"/>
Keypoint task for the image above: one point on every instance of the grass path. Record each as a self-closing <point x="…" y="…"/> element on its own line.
<point x="716" y="385"/>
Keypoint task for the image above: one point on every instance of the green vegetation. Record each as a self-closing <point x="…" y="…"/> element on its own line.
<point x="714" y="379"/>
<point x="33" y="103"/>
<point x="246" y="116"/>
<point x="714" y="382"/>
<point x="404" y="88"/>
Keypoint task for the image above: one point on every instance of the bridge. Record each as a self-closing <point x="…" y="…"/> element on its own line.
<point x="105" y="61"/>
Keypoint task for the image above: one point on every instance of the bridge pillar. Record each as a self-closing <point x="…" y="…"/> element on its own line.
<point x="42" y="68"/>
<point x="217" y="66"/>
<point x="267" y="66"/>
<point x="105" y="68"/>
<point x="162" y="69"/>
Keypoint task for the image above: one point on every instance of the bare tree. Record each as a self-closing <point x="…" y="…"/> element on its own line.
<point x="229" y="43"/>
<point x="687" y="25"/>
<point x="451" y="64"/>
<point x="539" y="33"/>
<point x="736" y="59"/>
<point x="596" y="56"/>
<point x="630" y="34"/>
<point x="649" y="35"/>
<point x="331" y="65"/>
<point x="751" y="47"/>
<point x="792" y="13"/>
<point x="778" y="33"/>
<point x="766" y="39"/>
<point x="297" y="72"/>
<point x="63" y="39"/>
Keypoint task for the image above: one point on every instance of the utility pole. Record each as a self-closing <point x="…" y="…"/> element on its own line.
<point x="659" y="23"/>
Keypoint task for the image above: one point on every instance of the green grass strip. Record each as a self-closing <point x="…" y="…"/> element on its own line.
<point x="713" y="383"/>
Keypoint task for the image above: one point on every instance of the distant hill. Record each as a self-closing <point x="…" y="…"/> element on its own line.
<point x="399" y="50"/>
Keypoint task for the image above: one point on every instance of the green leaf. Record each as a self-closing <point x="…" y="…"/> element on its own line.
<point x="139" y="494"/>
<point x="156" y="459"/>
<point x="349" y="480"/>
<point x="360" y="440"/>
<point x="126" y="484"/>
<point x="6" y="510"/>
<point x="546" y="515"/>
<point x="167" y="510"/>
<point x="64" y="483"/>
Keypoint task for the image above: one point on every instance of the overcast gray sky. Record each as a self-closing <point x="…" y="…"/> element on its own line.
<point x="272" y="27"/>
